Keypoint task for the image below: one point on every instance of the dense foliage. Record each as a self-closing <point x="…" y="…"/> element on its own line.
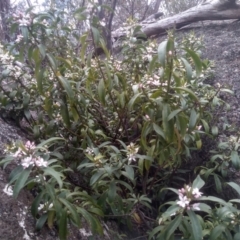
<point x="114" y="135"/>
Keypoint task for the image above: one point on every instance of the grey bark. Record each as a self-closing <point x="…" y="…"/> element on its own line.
<point x="206" y="10"/>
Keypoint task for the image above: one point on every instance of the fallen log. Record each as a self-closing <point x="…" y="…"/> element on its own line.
<point x="206" y="10"/>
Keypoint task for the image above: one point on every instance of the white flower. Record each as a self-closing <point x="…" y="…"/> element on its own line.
<point x="18" y="153"/>
<point x="195" y="206"/>
<point x="30" y="145"/>
<point x="40" y="162"/>
<point x="183" y="202"/>
<point x="89" y="151"/>
<point x="23" y="22"/>
<point x="19" y="38"/>
<point x="131" y="157"/>
<point x="196" y="193"/>
<point x="26" y="162"/>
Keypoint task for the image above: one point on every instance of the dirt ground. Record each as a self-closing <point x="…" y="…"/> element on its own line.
<point x="222" y="45"/>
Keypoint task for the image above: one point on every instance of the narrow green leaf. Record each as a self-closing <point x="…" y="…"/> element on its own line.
<point x="216" y="232"/>
<point x="41" y="221"/>
<point x="236" y="236"/>
<point x="212" y="199"/>
<point x="50" y="140"/>
<point x="214" y="130"/>
<point x="196" y="59"/>
<point x="36" y="203"/>
<point x="188" y="68"/>
<point x="95" y="177"/>
<point x="52" y="61"/>
<point x="112" y="191"/>
<point x="39" y="77"/>
<point x="42" y="50"/>
<point x="162" y="48"/>
<point x="196" y="226"/>
<point x="72" y="210"/>
<point x="133" y="100"/>
<point x="101" y="91"/>
<point x="96" y="35"/>
<point x="235" y="159"/>
<point x="193" y="120"/>
<point x="190" y="92"/>
<point x="92" y="221"/>
<point x="67" y="87"/>
<point x="173" y="114"/>
<point x="158" y="130"/>
<point x="235" y="186"/>
<point x="62" y="226"/>
<point x="172" y="226"/>
<point x="130" y="171"/>
<point x="20" y="183"/>
<point x="55" y="174"/>
<point x="198" y="182"/>
<point x="218" y="183"/>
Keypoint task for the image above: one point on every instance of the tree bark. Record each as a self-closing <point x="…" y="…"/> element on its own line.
<point x="206" y="10"/>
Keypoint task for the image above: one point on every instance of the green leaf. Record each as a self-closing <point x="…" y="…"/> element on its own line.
<point x="62" y="226"/>
<point x="96" y="35"/>
<point x="196" y="59"/>
<point x="57" y="175"/>
<point x="216" y="232"/>
<point x="214" y="130"/>
<point x="155" y="231"/>
<point x="72" y="210"/>
<point x="42" y="50"/>
<point x="133" y="100"/>
<point x="235" y="159"/>
<point x="198" y="182"/>
<point x="193" y="120"/>
<point x="41" y="221"/>
<point x="52" y="61"/>
<point x="92" y="221"/>
<point x="204" y="207"/>
<point x="24" y="31"/>
<point x="20" y="183"/>
<point x="212" y="199"/>
<point x="158" y="130"/>
<point x="101" y="91"/>
<point x="171" y="227"/>
<point x="171" y="211"/>
<point x="130" y="172"/>
<point x="173" y="114"/>
<point x="162" y="48"/>
<point x="50" y="140"/>
<point x="235" y="186"/>
<point x="36" y="203"/>
<point x="39" y="77"/>
<point x="196" y="226"/>
<point x="95" y="177"/>
<point x="112" y="192"/>
<point x="217" y="183"/>
<point x="188" y="68"/>
<point x="236" y="236"/>
<point x="190" y="92"/>
<point x="67" y="87"/>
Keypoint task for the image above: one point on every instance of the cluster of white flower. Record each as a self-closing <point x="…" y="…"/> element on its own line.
<point x="89" y="151"/>
<point x="186" y="195"/>
<point x="34" y="161"/>
<point x="28" y="156"/>
<point x="21" y="19"/>
<point x="19" y="38"/>
<point x="132" y="151"/>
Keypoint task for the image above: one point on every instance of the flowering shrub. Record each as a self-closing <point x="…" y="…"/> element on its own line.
<point x="119" y="130"/>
